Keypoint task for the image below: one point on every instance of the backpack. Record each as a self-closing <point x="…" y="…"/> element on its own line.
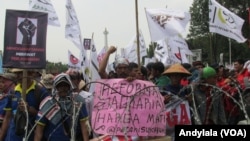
<point x="20" y="117"/>
<point x="20" y="120"/>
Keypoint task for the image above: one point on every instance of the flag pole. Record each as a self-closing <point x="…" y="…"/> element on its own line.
<point x="211" y="37"/>
<point x="248" y="22"/>
<point x="90" y="54"/>
<point x="229" y="40"/>
<point x="137" y="33"/>
<point x="179" y="50"/>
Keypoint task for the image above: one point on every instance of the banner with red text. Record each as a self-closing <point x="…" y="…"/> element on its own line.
<point x="177" y="113"/>
<point x="133" y="108"/>
<point x="25" y="39"/>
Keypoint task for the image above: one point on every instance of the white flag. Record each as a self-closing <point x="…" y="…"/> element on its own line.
<point x="224" y="22"/>
<point x="184" y="58"/>
<point x="162" y="53"/>
<point x="179" y="42"/>
<point x="45" y="6"/>
<point x="101" y="54"/>
<point x="221" y="59"/>
<point x="73" y="62"/>
<point x="164" y="23"/>
<point x="73" y="33"/>
<point x="94" y="66"/>
<point x="169" y="54"/>
<point x="149" y="60"/>
<point x="177" y="54"/>
<point x="72" y="28"/>
<point x="130" y="52"/>
<point x="123" y="53"/>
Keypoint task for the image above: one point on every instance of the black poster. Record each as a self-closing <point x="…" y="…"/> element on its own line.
<point x="25" y="39"/>
<point x="86" y="43"/>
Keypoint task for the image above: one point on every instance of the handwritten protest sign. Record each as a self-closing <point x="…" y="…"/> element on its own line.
<point x="131" y="108"/>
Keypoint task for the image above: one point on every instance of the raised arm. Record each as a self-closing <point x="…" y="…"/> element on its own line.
<point x="103" y="64"/>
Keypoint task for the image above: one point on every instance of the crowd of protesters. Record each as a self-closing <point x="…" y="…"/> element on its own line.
<point x="59" y="107"/>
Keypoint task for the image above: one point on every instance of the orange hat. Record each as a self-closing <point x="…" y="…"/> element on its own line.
<point x="176" y="68"/>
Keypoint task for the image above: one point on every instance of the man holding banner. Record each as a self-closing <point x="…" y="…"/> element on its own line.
<point x="120" y="103"/>
<point x="124" y="109"/>
<point x="177" y="105"/>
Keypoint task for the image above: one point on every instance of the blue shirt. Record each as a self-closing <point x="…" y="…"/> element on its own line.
<point x="12" y="105"/>
<point x="56" y="115"/>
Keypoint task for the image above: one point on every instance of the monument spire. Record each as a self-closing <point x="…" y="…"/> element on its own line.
<point x="106" y="38"/>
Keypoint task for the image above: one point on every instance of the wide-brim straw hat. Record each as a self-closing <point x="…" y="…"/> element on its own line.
<point x="9" y="76"/>
<point x="176" y="69"/>
<point x="47" y="80"/>
<point x="15" y="70"/>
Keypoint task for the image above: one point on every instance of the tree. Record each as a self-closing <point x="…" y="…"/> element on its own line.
<point x="199" y="19"/>
<point x="55" y="68"/>
<point x="151" y="49"/>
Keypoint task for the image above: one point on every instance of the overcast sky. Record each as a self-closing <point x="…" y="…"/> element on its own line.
<point x="118" y="16"/>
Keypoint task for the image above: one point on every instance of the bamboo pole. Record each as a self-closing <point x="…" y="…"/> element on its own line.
<point x="24" y="84"/>
<point x="137" y="34"/>
<point x="211" y="47"/>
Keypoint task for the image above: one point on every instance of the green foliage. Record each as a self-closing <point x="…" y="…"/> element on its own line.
<point x="55" y="68"/>
<point x="151" y="49"/>
<point x="199" y="19"/>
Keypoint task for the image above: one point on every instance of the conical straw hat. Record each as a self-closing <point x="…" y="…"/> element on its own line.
<point x="176" y="68"/>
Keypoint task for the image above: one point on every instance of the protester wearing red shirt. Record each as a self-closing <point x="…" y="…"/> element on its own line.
<point x="241" y="72"/>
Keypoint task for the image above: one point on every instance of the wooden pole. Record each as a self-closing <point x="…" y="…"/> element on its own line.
<point x="248" y="22"/>
<point x="179" y="50"/>
<point x="137" y="34"/>
<point x="24" y="84"/>
<point x="211" y="47"/>
<point x="230" y="61"/>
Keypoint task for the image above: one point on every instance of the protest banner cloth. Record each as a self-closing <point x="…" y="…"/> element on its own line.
<point x="128" y="108"/>
<point x="177" y="113"/>
<point x="123" y="138"/>
<point x="25" y="39"/>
